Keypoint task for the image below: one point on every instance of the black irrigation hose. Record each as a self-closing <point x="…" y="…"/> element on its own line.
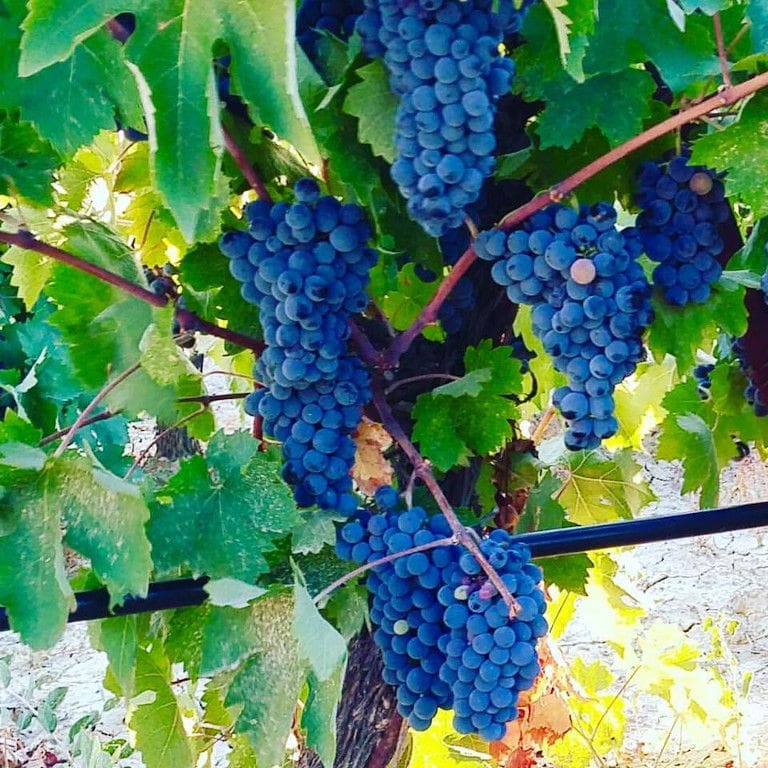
<point x="183" y="593"/>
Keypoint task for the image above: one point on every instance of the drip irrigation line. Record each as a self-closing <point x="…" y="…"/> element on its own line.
<point x="185" y="593"/>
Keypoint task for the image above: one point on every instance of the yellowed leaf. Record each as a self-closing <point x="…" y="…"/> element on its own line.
<point x="371" y="469"/>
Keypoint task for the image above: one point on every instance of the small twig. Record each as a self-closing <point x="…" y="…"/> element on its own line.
<point x="145" y="233"/>
<point x="28" y="241"/>
<point x="206" y="400"/>
<point x="242" y="162"/>
<point x="722" y="54"/>
<point x="422" y="377"/>
<point x="88" y="410"/>
<point x="324" y="593"/>
<point x="54" y="436"/>
<point x="428" y="315"/>
<point x="421" y="468"/>
<point x="143" y="455"/>
<point x="365" y="349"/>
<point x="541" y="427"/>
<point x="192" y="321"/>
<point x="232" y="374"/>
<point x="471" y="226"/>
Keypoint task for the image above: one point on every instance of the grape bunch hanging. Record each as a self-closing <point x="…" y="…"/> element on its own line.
<point x="590" y="302"/>
<point x="305" y="265"/>
<point x="445" y="65"/>
<point x="682" y="208"/>
<point x="445" y="634"/>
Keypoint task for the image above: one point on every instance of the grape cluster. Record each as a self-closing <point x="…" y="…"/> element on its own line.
<point x="682" y="206"/>
<point x="590" y="303"/>
<point x="445" y="66"/>
<point x="336" y="17"/>
<point x="444" y="632"/>
<point x="305" y="265"/>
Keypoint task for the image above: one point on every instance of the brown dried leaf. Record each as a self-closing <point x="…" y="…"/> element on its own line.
<point x="371" y="469"/>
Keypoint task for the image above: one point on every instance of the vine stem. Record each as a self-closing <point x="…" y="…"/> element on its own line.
<point x="421" y="468"/>
<point x="721" y="52"/>
<point x="324" y="593"/>
<point x="249" y="172"/>
<point x="206" y="400"/>
<point x="88" y="410"/>
<point x="422" y="377"/>
<point x="54" y="436"/>
<point x="27" y="241"/>
<point x="723" y="98"/>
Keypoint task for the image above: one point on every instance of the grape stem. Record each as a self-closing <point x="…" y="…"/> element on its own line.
<point x="88" y="410"/>
<point x="27" y="241"/>
<point x="723" y="98"/>
<point x="422" y="377"/>
<point x="321" y="596"/>
<point x="246" y="168"/>
<point x="721" y="52"/>
<point x="421" y="467"/>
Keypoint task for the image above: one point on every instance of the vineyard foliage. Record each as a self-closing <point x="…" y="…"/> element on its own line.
<point x="135" y="133"/>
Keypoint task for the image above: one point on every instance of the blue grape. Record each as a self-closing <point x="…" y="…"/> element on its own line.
<point x="305" y="265"/>
<point x="445" y="65"/>
<point x="445" y="635"/>
<point x="590" y="306"/>
<point x="674" y="196"/>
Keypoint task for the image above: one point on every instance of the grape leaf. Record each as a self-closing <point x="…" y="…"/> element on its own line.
<point x="707" y="6"/>
<point x="572" y="30"/>
<point x="119" y="638"/>
<point x="319" y="643"/>
<point x="104" y="519"/>
<point x="274" y="666"/>
<point x="156" y="719"/>
<point x="221" y="514"/>
<point x="314" y="533"/>
<point x="600" y="490"/>
<point x="739" y="151"/>
<point x="450" y="428"/>
<point x="33" y="580"/>
<point x="318" y="718"/>
<point x="82" y="94"/>
<point x="27" y="162"/>
<point x="31" y="271"/>
<point x="681" y="331"/>
<point x="757" y="13"/>
<point x="374" y="105"/>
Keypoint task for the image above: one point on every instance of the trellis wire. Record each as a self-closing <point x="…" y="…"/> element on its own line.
<point x="185" y="593"/>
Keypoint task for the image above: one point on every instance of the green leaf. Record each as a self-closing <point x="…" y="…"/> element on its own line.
<point x="221" y="514"/>
<point x="81" y="94"/>
<point x="568" y="572"/>
<point x="757" y="13"/>
<point x="681" y="331"/>
<point x="470" y="384"/>
<point x="30" y="272"/>
<point x="314" y="533"/>
<point x="161" y="357"/>
<point x="118" y="637"/>
<point x="154" y="714"/>
<point x="601" y="490"/>
<point x="450" y="428"/>
<point x="268" y="684"/>
<point x="318" y="718"/>
<point x="33" y="580"/>
<point x="572" y="31"/>
<point x="372" y="102"/>
<point x="27" y="163"/>
<point x="232" y="592"/>
<point x="617" y="103"/>
<point x="319" y="643"/>
<point x="104" y="518"/>
<point x="739" y="150"/>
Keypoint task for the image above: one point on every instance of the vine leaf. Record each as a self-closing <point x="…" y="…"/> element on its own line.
<point x="319" y="643"/>
<point x="154" y="714"/>
<point x="318" y="718"/>
<point x="27" y="162"/>
<point x="371" y="469"/>
<point x="372" y="102"/>
<point x="739" y="151"/>
<point x="452" y="425"/>
<point x="104" y="519"/>
<point x="30" y="270"/>
<point x="601" y="490"/>
<point x="170" y="56"/>
<point x="221" y="514"/>
<point x="758" y="15"/>
<point x="276" y="667"/>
